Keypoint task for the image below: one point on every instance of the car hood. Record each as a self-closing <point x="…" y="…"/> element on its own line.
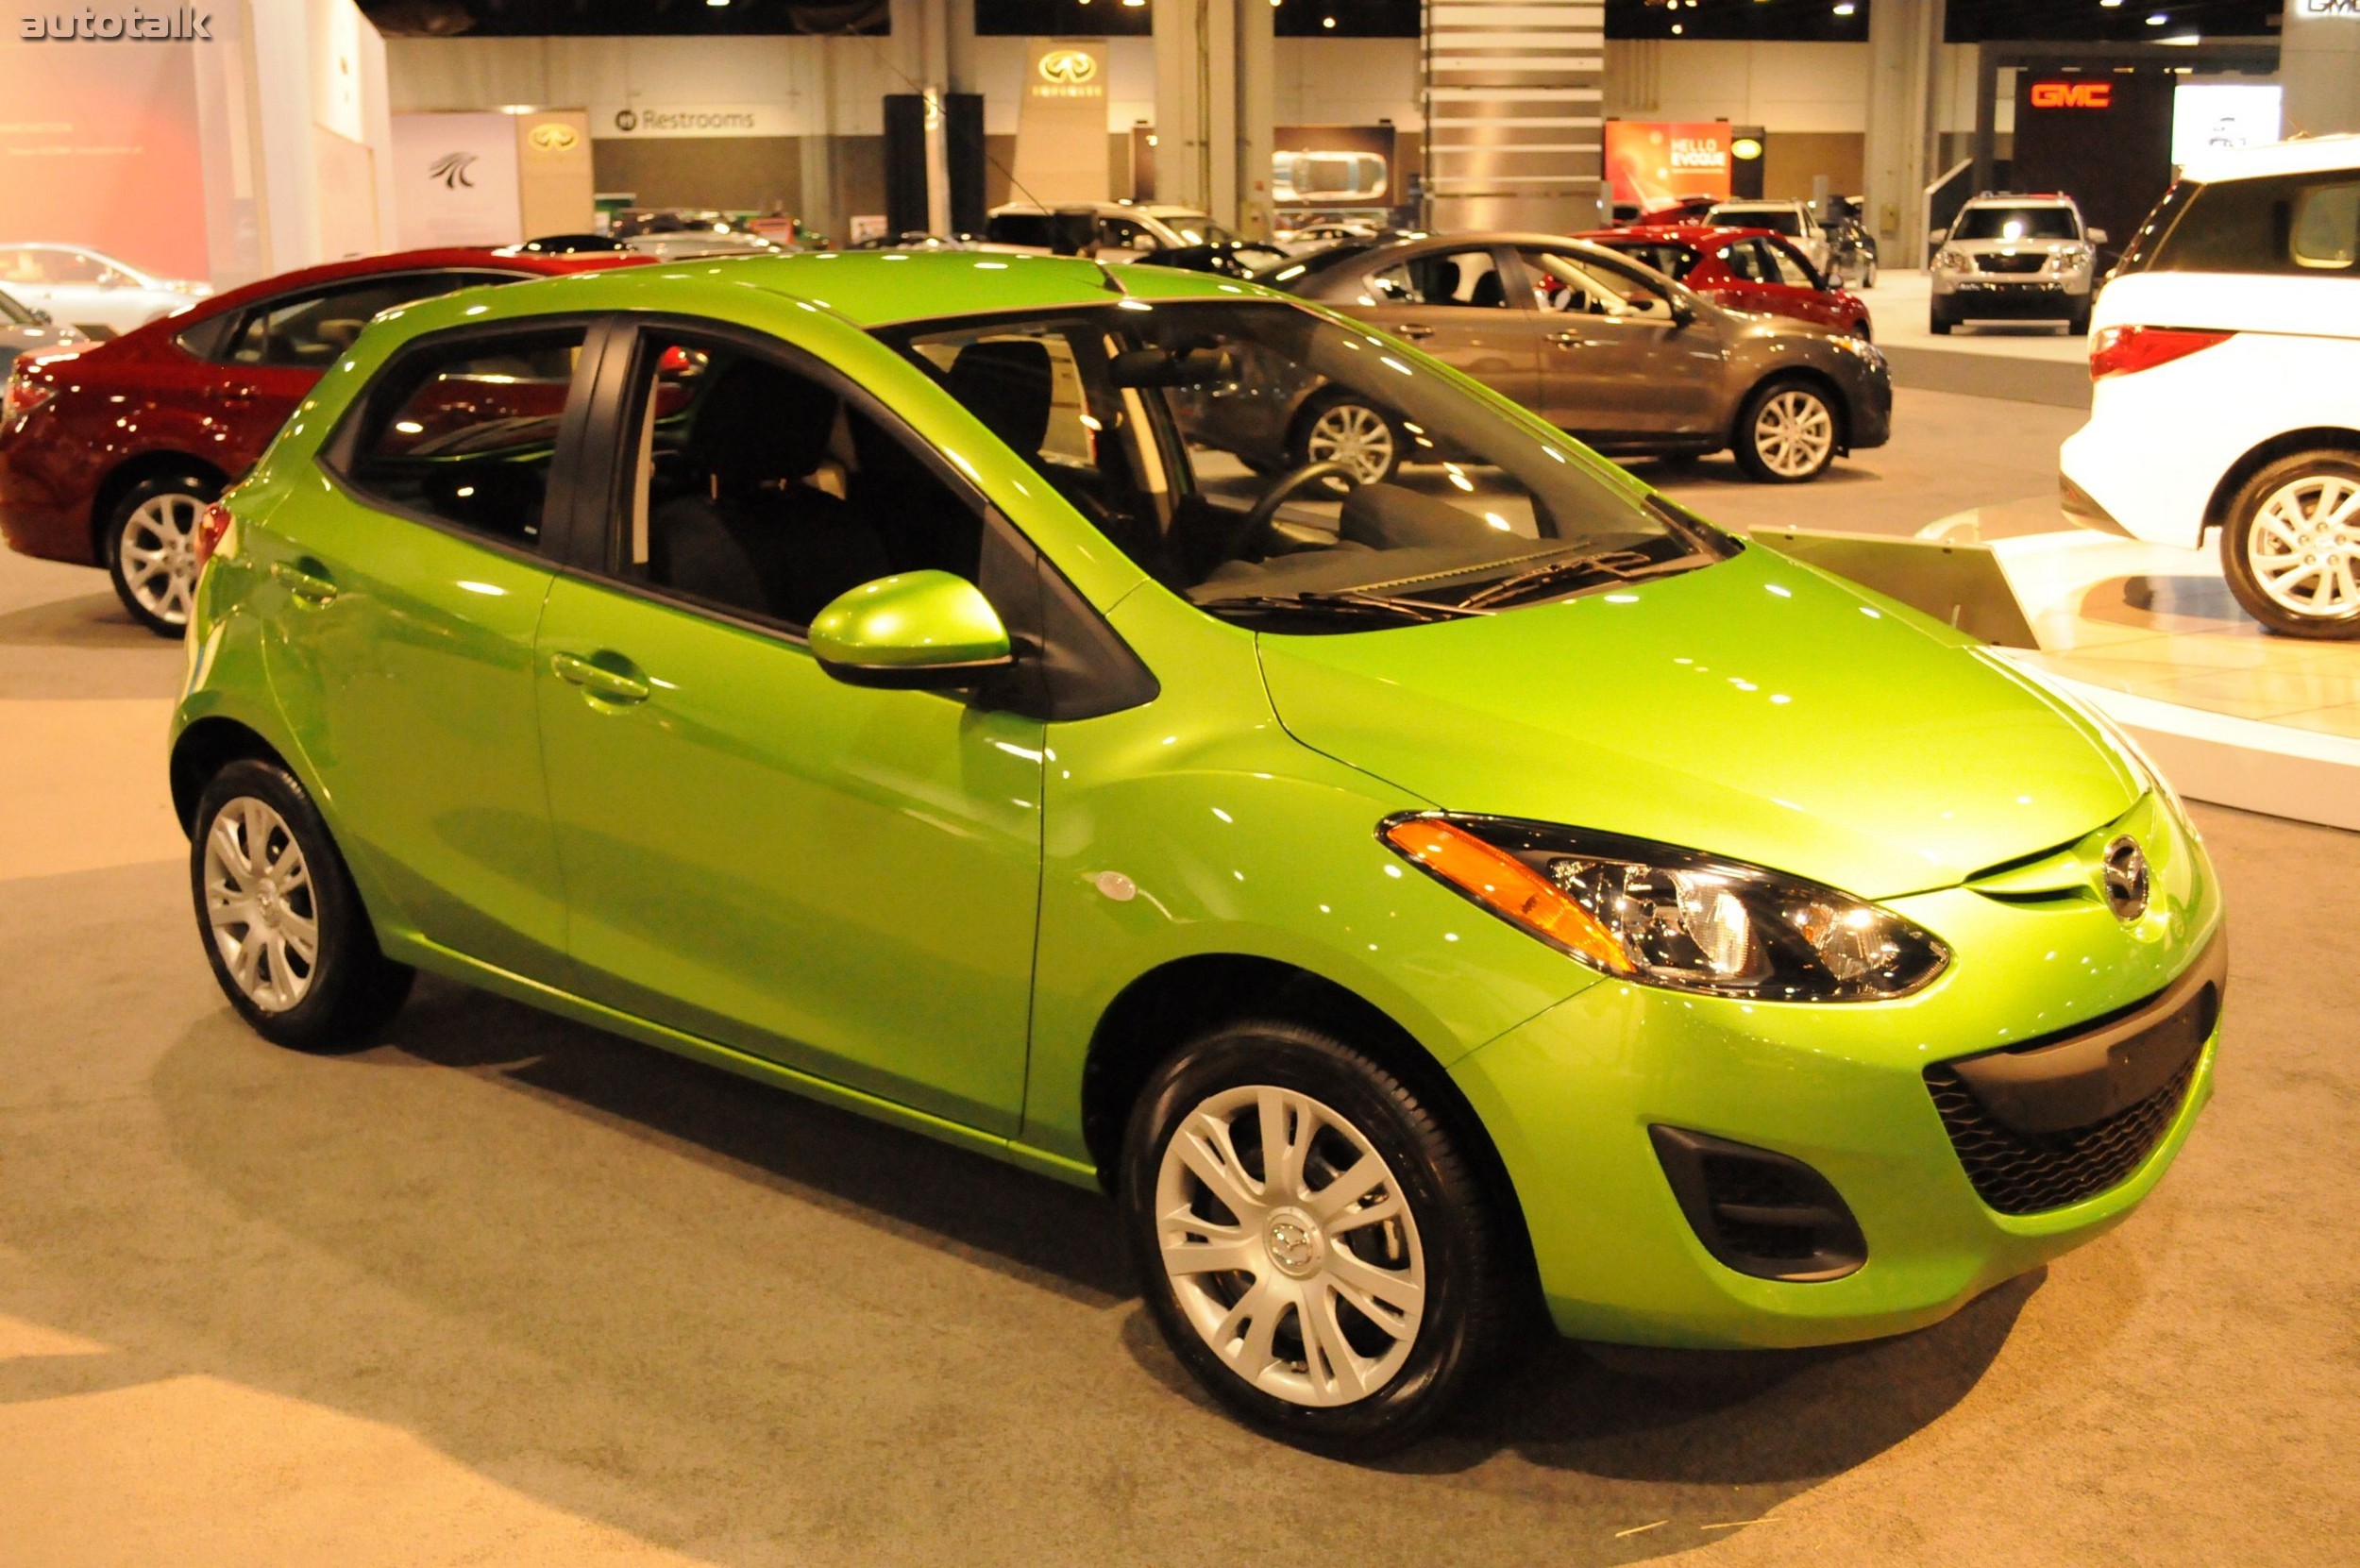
<point x="1755" y="709"/>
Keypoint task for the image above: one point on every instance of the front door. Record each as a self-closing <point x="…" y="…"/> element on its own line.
<point x="1457" y="307"/>
<point x="401" y="607"/>
<point x="1616" y="364"/>
<point x="838" y="879"/>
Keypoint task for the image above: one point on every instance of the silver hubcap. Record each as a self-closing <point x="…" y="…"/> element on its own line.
<point x="2305" y="547"/>
<point x="159" y="555"/>
<point x="259" y="904"/>
<point x="1794" y="434"/>
<point x="1289" y="1246"/>
<point x="1355" y="437"/>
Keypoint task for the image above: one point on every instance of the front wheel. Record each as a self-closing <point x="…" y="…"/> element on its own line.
<point x="1786" y="433"/>
<point x="2291" y="546"/>
<point x="150" y="547"/>
<point x="289" y="940"/>
<point x="1347" y="431"/>
<point x="1314" y="1244"/>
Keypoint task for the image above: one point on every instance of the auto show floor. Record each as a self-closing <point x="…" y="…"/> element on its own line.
<point x="507" y="1291"/>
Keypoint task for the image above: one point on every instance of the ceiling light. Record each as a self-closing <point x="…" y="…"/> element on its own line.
<point x="1327" y="21"/>
<point x="2157" y="20"/>
<point x="1845" y="8"/>
<point x="1676" y="27"/>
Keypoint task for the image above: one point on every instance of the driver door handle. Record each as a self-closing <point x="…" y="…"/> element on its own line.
<point x="596" y="680"/>
<point x="1414" y="331"/>
<point x="1566" y="340"/>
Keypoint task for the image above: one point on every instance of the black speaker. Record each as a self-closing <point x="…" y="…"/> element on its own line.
<point x="905" y="164"/>
<point x="963" y="138"/>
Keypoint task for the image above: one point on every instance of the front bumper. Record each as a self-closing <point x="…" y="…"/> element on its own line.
<point x="1570" y="1098"/>
<point x="1971" y="295"/>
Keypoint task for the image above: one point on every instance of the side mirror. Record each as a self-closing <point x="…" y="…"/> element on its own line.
<point x="926" y="631"/>
<point x="43" y="317"/>
<point x="1939" y="236"/>
<point x="2096" y="236"/>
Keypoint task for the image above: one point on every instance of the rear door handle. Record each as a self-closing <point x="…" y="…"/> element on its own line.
<point x="597" y="679"/>
<point x="1565" y="340"/>
<point x="309" y="587"/>
<point x="1415" y="330"/>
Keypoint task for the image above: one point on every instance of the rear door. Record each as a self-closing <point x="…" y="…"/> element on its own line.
<point x="403" y="600"/>
<point x="1460" y="305"/>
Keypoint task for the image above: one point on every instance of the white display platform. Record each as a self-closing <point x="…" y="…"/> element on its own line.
<point x="2149" y="635"/>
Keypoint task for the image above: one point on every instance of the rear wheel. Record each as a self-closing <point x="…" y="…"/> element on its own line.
<point x="1313" y="1242"/>
<point x="1343" y="429"/>
<point x="1786" y="433"/>
<point x="149" y="541"/>
<point x="2291" y="548"/>
<point x="287" y="936"/>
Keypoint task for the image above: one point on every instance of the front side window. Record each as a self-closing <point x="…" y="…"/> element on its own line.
<point x="1454" y="277"/>
<point x="464" y="433"/>
<point x="312" y="330"/>
<point x="1183" y="432"/>
<point x="761" y="490"/>
<point x="1562" y="282"/>
<point x="1781" y="265"/>
<point x="1665" y="255"/>
<point x="2016" y="223"/>
<point x="2326" y="227"/>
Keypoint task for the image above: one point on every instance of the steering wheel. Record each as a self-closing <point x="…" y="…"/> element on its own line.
<point x="1256" y="523"/>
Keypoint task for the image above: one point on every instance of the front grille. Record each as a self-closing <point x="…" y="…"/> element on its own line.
<point x="2011" y="263"/>
<point x="2023" y="1173"/>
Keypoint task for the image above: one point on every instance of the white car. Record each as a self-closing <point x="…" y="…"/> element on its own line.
<point x="84" y="289"/>
<point x="1792" y="219"/>
<point x="1109" y="230"/>
<point x="2225" y="348"/>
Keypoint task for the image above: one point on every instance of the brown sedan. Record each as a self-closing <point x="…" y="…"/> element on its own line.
<point x="1606" y="348"/>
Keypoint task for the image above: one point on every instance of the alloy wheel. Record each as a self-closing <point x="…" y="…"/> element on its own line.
<point x="1356" y="436"/>
<point x="1289" y="1245"/>
<point x="158" y="552"/>
<point x="259" y="904"/>
<point x="2303" y="546"/>
<point x="1794" y="434"/>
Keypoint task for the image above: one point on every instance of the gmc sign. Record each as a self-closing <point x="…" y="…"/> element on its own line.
<point x="2096" y="94"/>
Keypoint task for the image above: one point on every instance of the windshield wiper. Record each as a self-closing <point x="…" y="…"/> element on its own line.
<point x="1347" y="602"/>
<point x="1623" y="565"/>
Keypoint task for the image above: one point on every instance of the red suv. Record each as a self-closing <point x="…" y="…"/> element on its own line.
<point x="1745" y="269"/>
<point x="108" y="454"/>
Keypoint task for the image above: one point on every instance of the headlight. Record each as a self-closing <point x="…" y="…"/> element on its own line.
<point x="1946" y="259"/>
<point x="1664" y="916"/>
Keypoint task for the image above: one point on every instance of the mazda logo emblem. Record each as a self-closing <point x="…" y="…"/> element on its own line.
<point x="2125" y="877"/>
<point x="1071" y="66"/>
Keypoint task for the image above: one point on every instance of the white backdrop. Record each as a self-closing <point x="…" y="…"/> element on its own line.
<point x="454" y="181"/>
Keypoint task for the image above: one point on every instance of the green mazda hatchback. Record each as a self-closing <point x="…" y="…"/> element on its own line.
<point x="1417" y="903"/>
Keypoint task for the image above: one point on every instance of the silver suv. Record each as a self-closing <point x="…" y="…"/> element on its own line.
<point x="2015" y="257"/>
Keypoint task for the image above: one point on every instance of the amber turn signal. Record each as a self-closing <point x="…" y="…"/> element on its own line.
<point x="1508" y="887"/>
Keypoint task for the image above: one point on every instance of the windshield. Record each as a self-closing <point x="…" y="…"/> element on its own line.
<point x="2016" y="223"/>
<point x="1668" y="257"/>
<point x="1778" y="220"/>
<point x="1286" y="471"/>
<point x="1195" y="229"/>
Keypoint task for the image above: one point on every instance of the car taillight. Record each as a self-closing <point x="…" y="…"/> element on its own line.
<point x="2125" y="350"/>
<point x="210" y="528"/>
<point x="22" y="398"/>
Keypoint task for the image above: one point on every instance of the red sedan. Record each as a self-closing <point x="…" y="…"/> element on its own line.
<point x="108" y="454"/>
<point x="1745" y="269"/>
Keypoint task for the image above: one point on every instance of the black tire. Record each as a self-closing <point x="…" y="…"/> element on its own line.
<point x="2327" y="466"/>
<point x="347" y="990"/>
<point x="1749" y="442"/>
<point x="2078" y="324"/>
<point x="1870" y="280"/>
<point x="1473" y="1287"/>
<point x="148" y="595"/>
<point x="1305" y="446"/>
<point x="1939" y="324"/>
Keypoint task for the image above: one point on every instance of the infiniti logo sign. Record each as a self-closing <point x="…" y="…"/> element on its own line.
<point x="2126" y="879"/>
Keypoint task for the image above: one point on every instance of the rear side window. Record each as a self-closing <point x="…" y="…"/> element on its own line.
<point x="311" y="329"/>
<point x="2287" y="224"/>
<point x="1674" y="261"/>
<point x="465" y="434"/>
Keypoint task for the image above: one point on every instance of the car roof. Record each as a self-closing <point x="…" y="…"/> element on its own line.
<point x="412" y="260"/>
<point x="2305" y="154"/>
<point x="2018" y="198"/>
<point x="1683" y="234"/>
<point x="883" y="288"/>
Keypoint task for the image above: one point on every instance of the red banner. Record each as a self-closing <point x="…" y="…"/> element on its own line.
<point x="1652" y="163"/>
